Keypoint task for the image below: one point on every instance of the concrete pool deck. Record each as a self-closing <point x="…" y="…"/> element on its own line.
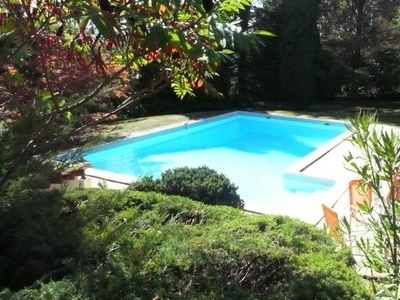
<point x="305" y="207"/>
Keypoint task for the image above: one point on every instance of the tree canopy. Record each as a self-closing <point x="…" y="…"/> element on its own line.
<point x="58" y="56"/>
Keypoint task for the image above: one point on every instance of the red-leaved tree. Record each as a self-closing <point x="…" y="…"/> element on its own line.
<point x="56" y="56"/>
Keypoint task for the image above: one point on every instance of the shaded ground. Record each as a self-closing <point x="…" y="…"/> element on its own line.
<point x="122" y="129"/>
<point x="388" y="113"/>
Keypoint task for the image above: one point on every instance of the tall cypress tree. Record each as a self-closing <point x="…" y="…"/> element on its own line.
<point x="299" y="47"/>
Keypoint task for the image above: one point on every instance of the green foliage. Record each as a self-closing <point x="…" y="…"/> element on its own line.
<point x="85" y="51"/>
<point x="362" y="37"/>
<point x="146" y="184"/>
<point x="38" y="234"/>
<point x="201" y="184"/>
<point x="135" y="245"/>
<point x="377" y="162"/>
<point x="299" y="48"/>
<point x="54" y="290"/>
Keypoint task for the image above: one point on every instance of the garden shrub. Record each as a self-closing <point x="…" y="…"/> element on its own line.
<point x="137" y="245"/>
<point x="53" y="290"/>
<point x="39" y="233"/>
<point x="202" y="184"/>
<point x="146" y="184"/>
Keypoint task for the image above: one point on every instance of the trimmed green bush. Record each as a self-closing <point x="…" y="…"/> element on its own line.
<point x="39" y="233"/>
<point x="202" y="184"/>
<point x="136" y="245"/>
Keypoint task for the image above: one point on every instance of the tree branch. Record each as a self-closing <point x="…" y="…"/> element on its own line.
<point x="132" y="99"/>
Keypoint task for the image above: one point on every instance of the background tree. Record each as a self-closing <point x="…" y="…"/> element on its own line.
<point x="240" y="91"/>
<point x="264" y="64"/>
<point x="363" y="36"/>
<point x="357" y="55"/>
<point x="298" y="52"/>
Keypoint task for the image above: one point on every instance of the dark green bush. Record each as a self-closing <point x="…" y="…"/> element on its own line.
<point x="53" y="290"/>
<point x="202" y="184"/>
<point x="39" y="233"/>
<point x="135" y="245"/>
<point x="146" y="184"/>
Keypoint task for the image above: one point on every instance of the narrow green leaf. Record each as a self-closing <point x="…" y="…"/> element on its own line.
<point x="197" y="50"/>
<point x="265" y="33"/>
<point x="45" y="95"/>
<point x="104" y="25"/>
<point x="228" y="51"/>
<point x="68" y="115"/>
<point x="83" y="23"/>
<point x="158" y="37"/>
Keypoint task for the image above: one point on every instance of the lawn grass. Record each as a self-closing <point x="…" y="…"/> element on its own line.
<point x="108" y="132"/>
<point x="388" y="113"/>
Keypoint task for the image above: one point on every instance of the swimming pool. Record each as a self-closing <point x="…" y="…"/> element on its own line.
<point x="255" y="151"/>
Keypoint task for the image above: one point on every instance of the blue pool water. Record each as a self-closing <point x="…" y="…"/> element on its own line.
<point x="252" y="150"/>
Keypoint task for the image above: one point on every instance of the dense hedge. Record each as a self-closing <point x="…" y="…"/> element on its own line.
<point x="202" y="184"/>
<point x="104" y="244"/>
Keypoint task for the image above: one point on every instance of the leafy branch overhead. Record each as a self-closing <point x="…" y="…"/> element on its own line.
<point x="183" y="38"/>
<point x="56" y="56"/>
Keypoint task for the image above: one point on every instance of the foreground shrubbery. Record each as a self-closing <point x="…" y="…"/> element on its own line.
<point x="202" y="184"/>
<point x="103" y="244"/>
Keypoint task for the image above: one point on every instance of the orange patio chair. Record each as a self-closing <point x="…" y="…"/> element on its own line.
<point x="359" y="194"/>
<point x="332" y="223"/>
